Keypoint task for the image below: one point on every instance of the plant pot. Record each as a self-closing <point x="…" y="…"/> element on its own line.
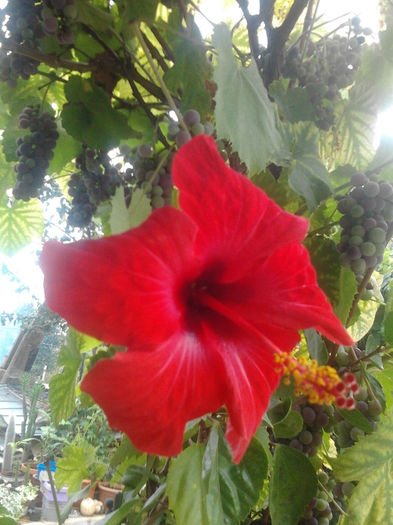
<point x="105" y="491"/>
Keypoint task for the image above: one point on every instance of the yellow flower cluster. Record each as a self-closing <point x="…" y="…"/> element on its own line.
<point x="321" y="384"/>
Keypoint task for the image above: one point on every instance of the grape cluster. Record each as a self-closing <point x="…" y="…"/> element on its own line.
<point x="192" y="120"/>
<point x="156" y="184"/>
<point x="326" y="67"/>
<point x="367" y="216"/>
<point x="95" y="182"/>
<point x="58" y="17"/>
<point x="330" y="497"/>
<point x="22" y="21"/>
<point x="316" y="418"/>
<point x="34" y="150"/>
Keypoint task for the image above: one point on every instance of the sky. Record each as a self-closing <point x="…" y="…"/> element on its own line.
<point x="24" y="264"/>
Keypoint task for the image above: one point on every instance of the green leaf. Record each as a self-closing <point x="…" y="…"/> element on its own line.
<point x="385" y="378"/>
<point x="292" y="486"/>
<point x="325" y="259"/>
<point x="316" y="346"/>
<point x="190" y="71"/>
<point x="7" y="176"/>
<point x="118" y="516"/>
<point x="290" y="426"/>
<point x="365" y="320"/>
<point x="137" y="10"/>
<point x="62" y="385"/>
<point x="125" y="450"/>
<point x="384" y="157"/>
<point x="355" y="128"/>
<point x="357" y="419"/>
<point x="348" y="288"/>
<point x="89" y="117"/>
<point x="123" y="218"/>
<point x="185" y="488"/>
<point x="244" y="113"/>
<point x="67" y="148"/>
<point x="93" y="16"/>
<point x="204" y="486"/>
<point x="309" y="176"/>
<point x="370" y="463"/>
<point x="19" y="224"/>
<point x="72" y="468"/>
<point x="294" y="103"/>
<point x="388" y="328"/>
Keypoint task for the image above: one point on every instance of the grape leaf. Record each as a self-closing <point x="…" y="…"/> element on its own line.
<point x="244" y="113"/>
<point x="316" y="346"/>
<point x="204" y="486"/>
<point x="190" y="71"/>
<point x="388" y="327"/>
<point x="136" y="10"/>
<point x="325" y="259"/>
<point x="364" y="321"/>
<point x="62" y="385"/>
<point x="292" y="486"/>
<point x="93" y="16"/>
<point x="369" y="462"/>
<point x="348" y="287"/>
<point x="308" y="176"/>
<point x="78" y="463"/>
<point x="123" y="218"/>
<point x="89" y="117"/>
<point x="19" y="224"/>
<point x="67" y="148"/>
<point x="355" y="128"/>
<point x="294" y="103"/>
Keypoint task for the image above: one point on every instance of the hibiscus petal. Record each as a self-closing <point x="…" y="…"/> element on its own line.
<point x="251" y="378"/>
<point x="235" y="218"/>
<point x="284" y="293"/>
<point x="150" y="395"/>
<point x="122" y="287"/>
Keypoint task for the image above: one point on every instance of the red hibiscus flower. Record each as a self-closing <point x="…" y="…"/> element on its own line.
<point x="202" y="298"/>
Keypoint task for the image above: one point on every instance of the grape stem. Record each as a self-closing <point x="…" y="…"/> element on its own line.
<point x="160" y="80"/>
<point x="332" y="500"/>
<point x="378" y="350"/>
<point x="361" y="289"/>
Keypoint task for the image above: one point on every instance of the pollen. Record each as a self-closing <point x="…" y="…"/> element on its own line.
<point x="321" y="384"/>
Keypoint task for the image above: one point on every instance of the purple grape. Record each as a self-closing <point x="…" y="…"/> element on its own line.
<point x="182" y="138"/>
<point x="191" y="117"/>
<point x="309" y="415"/>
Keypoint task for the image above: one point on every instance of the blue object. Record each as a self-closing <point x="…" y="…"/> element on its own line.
<point x="41" y="467"/>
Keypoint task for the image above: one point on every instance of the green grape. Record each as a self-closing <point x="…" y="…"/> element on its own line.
<point x="321" y="503"/>
<point x="387" y="212"/>
<point x="367" y="248"/>
<point x="198" y="128"/>
<point x="359" y="266"/>
<point x="371" y="189"/>
<point x="358" y="230"/>
<point x="357" y="211"/>
<point x="374" y="408"/>
<point x="323" y="477"/>
<point x="377" y="235"/>
<point x="342" y="358"/>
<point x="355" y="240"/>
<point x="305" y="437"/>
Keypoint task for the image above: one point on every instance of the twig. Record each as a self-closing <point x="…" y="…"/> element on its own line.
<point x="50" y="60"/>
<point x="253" y="23"/>
<point x="53" y="490"/>
<point x="160" y="80"/>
